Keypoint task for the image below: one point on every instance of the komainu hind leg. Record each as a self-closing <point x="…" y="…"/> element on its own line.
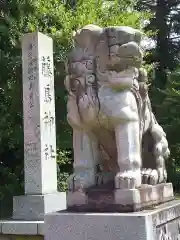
<point x="156" y="173"/>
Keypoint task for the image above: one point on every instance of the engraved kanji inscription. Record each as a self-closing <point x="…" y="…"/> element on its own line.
<point x="49" y="152"/>
<point x="46" y="66"/>
<point x="47" y="94"/>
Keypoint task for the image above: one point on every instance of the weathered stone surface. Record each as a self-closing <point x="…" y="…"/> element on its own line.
<point x="33" y="207"/>
<point x="115" y="134"/>
<point x="40" y="165"/>
<point x="39" y="114"/>
<point x="21" y="229"/>
<point x="96" y="226"/>
<point x="109" y="199"/>
<point x="158" y="223"/>
<point x="166" y="221"/>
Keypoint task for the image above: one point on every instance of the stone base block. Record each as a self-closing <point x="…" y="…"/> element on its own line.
<point x="17" y="227"/>
<point x="119" y="200"/>
<point x="161" y="222"/>
<point x="33" y="207"/>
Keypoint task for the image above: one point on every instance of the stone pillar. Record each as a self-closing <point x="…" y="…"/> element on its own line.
<point x="40" y="168"/>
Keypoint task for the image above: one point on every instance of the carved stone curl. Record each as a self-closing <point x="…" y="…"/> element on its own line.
<point x="115" y="134"/>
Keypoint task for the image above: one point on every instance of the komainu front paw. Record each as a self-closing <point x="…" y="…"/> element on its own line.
<point x="81" y="180"/>
<point x="153" y="176"/>
<point x="128" y="179"/>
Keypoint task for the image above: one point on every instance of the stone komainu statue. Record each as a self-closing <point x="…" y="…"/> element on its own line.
<point x="115" y="134"/>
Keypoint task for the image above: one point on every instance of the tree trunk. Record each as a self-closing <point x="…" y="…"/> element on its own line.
<point x="162" y="11"/>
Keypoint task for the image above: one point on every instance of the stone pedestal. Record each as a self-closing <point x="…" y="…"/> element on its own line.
<point x="33" y="207"/>
<point x="106" y="198"/>
<point x="161" y="222"/>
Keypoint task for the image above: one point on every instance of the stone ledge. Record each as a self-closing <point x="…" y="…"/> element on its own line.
<point x="34" y="207"/>
<point x="161" y="222"/>
<point x="109" y="199"/>
<point x="83" y="226"/>
<point x="14" y="227"/>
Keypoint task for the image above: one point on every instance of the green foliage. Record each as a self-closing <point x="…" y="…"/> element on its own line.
<point x="64" y="162"/>
<point x="165" y="88"/>
<point x="168" y="115"/>
<point x="171" y="116"/>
